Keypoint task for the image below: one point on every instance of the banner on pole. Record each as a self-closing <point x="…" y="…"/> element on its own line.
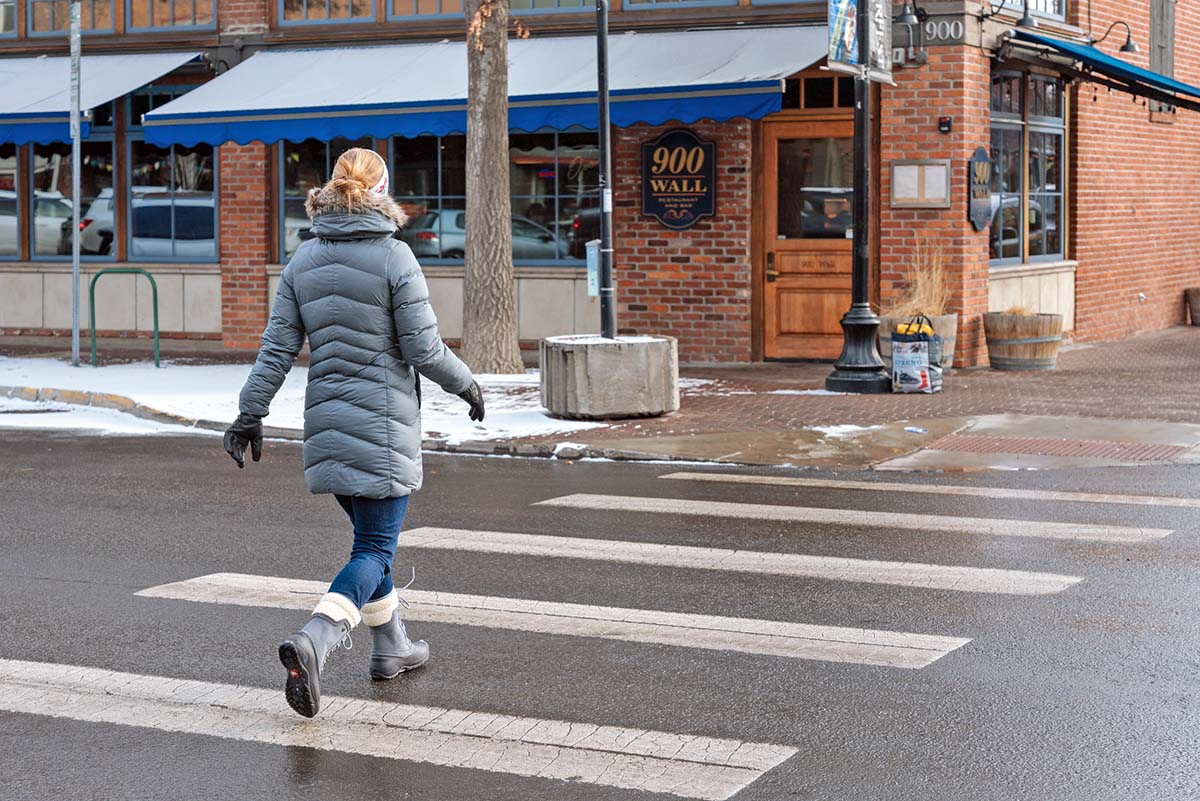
<point x="844" y="38"/>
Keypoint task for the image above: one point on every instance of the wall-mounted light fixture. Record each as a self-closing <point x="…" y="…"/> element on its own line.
<point x="1130" y="46"/>
<point x="913" y="17"/>
<point x="1027" y="20"/>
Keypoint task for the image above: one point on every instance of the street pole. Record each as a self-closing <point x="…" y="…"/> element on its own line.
<point x="608" y="300"/>
<point x="859" y="369"/>
<point x="75" y="181"/>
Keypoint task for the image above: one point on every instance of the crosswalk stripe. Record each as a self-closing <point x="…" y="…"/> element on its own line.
<point x="902" y="574"/>
<point x="767" y="637"/>
<point x="999" y="493"/>
<point x="635" y="759"/>
<point x="855" y="517"/>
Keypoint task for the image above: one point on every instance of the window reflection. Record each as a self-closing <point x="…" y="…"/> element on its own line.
<point x="172" y="207"/>
<point x="52" y="223"/>
<point x="816" y="188"/>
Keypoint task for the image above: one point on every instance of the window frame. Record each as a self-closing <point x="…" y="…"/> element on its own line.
<point x="30" y="33"/>
<point x="28" y="229"/>
<point x="1028" y="125"/>
<point x="136" y="132"/>
<point x="15" y="28"/>
<point x="131" y="28"/>
<point x="1018" y="6"/>
<point x="282" y="21"/>
<point x="643" y="5"/>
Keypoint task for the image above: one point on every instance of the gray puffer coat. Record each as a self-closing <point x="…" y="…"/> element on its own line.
<point x="359" y="296"/>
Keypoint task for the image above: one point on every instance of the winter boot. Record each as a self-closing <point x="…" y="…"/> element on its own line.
<point x="304" y="653"/>
<point x="392" y="652"/>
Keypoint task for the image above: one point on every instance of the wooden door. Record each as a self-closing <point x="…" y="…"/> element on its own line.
<point x="807" y="200"/>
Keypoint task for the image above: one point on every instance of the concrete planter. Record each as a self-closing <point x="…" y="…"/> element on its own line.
<point x="944" y="325"/>
<point x="592" y="378"/>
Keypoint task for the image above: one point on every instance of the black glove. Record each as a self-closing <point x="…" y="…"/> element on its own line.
<point x="246" y="430"/>
<point x="474" y="396"/>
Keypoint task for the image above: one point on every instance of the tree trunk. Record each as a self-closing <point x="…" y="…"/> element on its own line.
<point x="489" y="284"/>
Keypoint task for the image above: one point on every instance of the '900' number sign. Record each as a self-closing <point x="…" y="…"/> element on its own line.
<point x="679" y="173"/>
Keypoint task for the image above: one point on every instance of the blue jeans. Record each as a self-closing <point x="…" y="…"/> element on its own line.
<point x="368" y="575"/>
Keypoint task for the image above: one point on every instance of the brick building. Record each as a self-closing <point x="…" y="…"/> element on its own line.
<point x="248" y="101"/>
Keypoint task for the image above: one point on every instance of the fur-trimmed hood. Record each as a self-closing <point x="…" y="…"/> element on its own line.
<point x="327" y="201"/>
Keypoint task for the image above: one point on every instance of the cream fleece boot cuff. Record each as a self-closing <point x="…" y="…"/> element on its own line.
<point x="336" y="606"/>
<point x="379" y="612"/>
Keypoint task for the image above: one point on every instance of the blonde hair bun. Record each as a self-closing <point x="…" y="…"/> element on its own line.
<point x="356" y="171"/>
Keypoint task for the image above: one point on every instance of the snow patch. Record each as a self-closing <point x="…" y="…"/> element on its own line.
<point x="816" y="392"/>
<point x="210" y="392"/>
<point x="840" y="431"/>
<point x="16" y="413"/>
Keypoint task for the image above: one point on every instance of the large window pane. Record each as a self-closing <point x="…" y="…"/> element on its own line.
<point x="47" y="16"/>
<point x="816" y="188"/>
<point x="332" y="10"/>
<point x="150" y="14"/>
<point x="172" y="208"/>
<point x="8" y="17"/>
<point x="52" y="199"/>
<point x="10" y="224"/>
<point x="307" y="165"/>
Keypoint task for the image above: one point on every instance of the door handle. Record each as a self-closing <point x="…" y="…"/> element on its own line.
<point x="771" y="272"/>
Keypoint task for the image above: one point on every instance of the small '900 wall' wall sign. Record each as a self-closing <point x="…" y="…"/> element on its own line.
<point x="679" y="179"/>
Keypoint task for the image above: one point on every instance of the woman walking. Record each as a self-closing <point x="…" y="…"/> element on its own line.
<point x="359" y="296"/>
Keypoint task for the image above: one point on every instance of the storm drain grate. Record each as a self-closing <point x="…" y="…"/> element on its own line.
<point x="1034" y="446"/>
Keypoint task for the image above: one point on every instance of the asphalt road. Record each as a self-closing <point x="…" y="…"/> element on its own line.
<point x="1089" y="693"/>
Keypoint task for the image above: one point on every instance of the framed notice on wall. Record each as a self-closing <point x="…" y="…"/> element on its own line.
<point x="679" y="179"/>
<point x="921" y="184"/>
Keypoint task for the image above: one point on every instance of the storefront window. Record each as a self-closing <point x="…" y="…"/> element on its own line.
<point x="816" y="188"/>
<point x="662" y="3"/>
<point x="51" y="179"/>
<point x="53" y="16"/>
<point x="403" y="9"/>
<point x="1027" y="143"/>
<point x="10" y="221"/>
<point x="554" y="182"/>
<point x="327" y="11"/>
<point x="172" y="205"/>
<point x="306" y="165"/>
<point x="146" y="15"/>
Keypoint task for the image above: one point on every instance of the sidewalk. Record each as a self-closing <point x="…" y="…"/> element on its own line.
<point x="1129" y="402"/>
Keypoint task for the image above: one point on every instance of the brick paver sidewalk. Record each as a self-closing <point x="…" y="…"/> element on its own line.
<point x="1151" y="377"/>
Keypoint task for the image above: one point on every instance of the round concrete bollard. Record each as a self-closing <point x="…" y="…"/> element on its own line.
<point x="592" y="378"/>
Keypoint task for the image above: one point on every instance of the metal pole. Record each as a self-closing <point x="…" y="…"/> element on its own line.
<point x="75" y="181"/>
<point x="608" y="300"/>
<point x="859" y="369"/>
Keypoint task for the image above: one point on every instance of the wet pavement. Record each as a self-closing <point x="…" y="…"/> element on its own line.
<point x="1085" y="693"/>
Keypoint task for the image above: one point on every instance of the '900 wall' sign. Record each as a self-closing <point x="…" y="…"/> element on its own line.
<point x="679" y="179"/>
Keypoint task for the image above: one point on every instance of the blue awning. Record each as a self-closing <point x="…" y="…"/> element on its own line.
<point x="35" y="93"/>
<point x="1119" y="74"/>
<point x="421" y="88"/>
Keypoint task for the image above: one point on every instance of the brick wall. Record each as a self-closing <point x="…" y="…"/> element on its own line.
<point x="955" y="83"/>
<point x="243" y="16"/>
<point x="244" y="226"/>
<point x="693" y="284"/>
<point x="1135" y="220"/>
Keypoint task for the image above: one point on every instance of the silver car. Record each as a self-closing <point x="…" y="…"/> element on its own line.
<point x="441" y="234"/>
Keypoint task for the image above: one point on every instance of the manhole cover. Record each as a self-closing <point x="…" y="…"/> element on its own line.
<point x="1036" y="446"/>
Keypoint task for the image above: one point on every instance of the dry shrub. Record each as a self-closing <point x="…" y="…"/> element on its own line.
<point x="927" y="292"/>
<point x="1020" y="311"/>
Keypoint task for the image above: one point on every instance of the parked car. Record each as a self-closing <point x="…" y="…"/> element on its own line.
<point x="584" y="228"/>
<point x="442" y="234"/>
<point x="180" y="227"/>
<point x="50" y="209"/>
<point x="96" y="222"/>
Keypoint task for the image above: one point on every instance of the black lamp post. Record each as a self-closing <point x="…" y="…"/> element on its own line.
<point x="859" y="369"/>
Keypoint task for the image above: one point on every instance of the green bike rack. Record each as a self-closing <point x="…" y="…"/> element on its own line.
<point x="92" y="306"/>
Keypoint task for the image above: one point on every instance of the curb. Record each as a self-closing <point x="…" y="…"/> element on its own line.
<point x="537" y="450"/>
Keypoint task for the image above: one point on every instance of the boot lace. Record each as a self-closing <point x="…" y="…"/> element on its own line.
<point x="399" y="590"/>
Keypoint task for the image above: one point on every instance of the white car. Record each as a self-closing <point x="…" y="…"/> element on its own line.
<point x="51" y="208"/>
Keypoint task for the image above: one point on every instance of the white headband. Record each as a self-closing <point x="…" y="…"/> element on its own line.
<point x="381" y="188"/>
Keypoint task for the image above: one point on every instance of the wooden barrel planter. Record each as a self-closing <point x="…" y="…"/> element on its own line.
<point x="1193" y="302"/>
<point x="1022" y="341"/>
<point x="944" y="325"/>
